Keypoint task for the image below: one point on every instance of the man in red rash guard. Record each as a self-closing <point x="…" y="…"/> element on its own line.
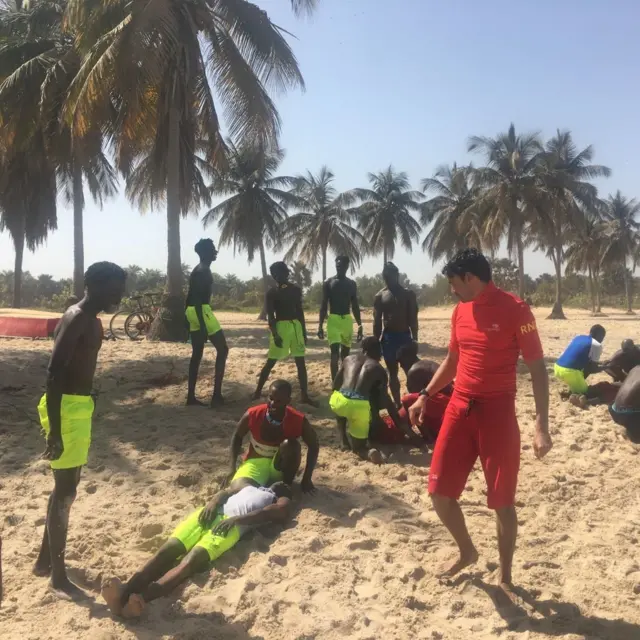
<point x="274" y="451"/>
<point x="489" y="329"/>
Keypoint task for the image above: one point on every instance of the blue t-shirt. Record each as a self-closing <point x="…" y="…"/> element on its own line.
<point x="580" y="351"/>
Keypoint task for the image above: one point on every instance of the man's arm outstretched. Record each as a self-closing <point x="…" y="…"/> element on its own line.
<point x="310" y="438"/>
<point x="242" y="429"/>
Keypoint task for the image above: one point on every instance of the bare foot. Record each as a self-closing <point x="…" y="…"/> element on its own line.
<point x="345" y="446"/>
<point x="465" y="560"/>
<point x="41" y="569"/>
<point x="134" y="607"/>
<point x="66" y="590"/>
<point x="256" y="395"/>
<point x="112" y="594"/>
<point x="309" y="401"/>
<point x="375" y="456"/>
<point x="578" y="401"/>
<point x="216" y="401"/>
<point x="194" y="402"/>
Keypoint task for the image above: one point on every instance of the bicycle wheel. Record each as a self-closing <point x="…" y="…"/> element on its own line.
<point x="137" y="324"/>
<point x="116" y="325"/>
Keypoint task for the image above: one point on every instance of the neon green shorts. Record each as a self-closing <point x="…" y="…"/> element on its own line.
<point x="261" y="470"/>
<point x="357" y="412"/>
<point x="191" y="534"/>
<point x="210" y="321"/>
<point x="339" y="329"/>
<point x="75" y="428"/>
<point x="292" y="341"/>
<point x="573" y="378"/>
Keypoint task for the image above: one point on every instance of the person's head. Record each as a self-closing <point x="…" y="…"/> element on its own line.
<point x="407" y="355"/>
<point x="628" y="345"/>
<point x="206" y="250"/>
<point x="371" y="347"/>
<point x="279" y="397"/>
<point x="279" y="272"/>
<point x="342" y="266"/>
<point x="468" y="273"/>
<point x="105" y="283"/>
<point x="598" y="332"/>
<point x="390" y="274"/>
<point x="282" y="490"/>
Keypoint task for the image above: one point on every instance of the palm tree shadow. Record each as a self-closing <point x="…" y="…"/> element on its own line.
<point x="553" y="617"/>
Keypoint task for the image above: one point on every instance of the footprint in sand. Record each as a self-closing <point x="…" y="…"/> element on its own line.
<point x="365" y="545"/>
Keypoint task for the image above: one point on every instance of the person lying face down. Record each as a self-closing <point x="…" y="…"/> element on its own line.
<point x="198" y="541"/>
<point x="622" y="361"/>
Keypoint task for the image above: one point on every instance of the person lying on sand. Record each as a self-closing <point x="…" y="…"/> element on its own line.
<point x="625" y="409"/>
<point x="274" y="452"/>
<point x="622" y="361"/>
<point x="196" y="542"/>
<point x="360" y="389"/>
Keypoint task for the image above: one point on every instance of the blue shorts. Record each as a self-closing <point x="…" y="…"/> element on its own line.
<point x="392" y="341"/>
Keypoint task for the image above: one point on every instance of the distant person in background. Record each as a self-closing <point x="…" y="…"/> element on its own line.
<point x="625" y="409"/>
<point x="395" y="322"/>
<point x="580" y="359"/>
<point x="622" y="361"/>
<point x="203" y="325"/>
<point x="287" y="328"/>
<point x="66" y="410"/>
<point x="418" y="372"/>
<point x="340" y="297"/>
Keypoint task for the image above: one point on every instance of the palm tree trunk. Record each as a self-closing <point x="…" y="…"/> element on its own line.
<point x="556" y="312"/>
<point x="592" y="292"/>
<point x="170" y="323"/>
<point x="78" y="235"/>
<point x="265" y="280"/>
<point x="385" y="255"/>
<point x="521" y="282"/>
<point x="18" y="243"/>
<point x="324" y="263"/>
<point x="627" y="289"/>
<point x="596" y="284"/>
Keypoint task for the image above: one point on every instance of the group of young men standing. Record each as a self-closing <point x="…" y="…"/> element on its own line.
<point x="475" y="417"/>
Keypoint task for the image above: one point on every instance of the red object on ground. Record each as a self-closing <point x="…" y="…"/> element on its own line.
<point x="15" y="327"/>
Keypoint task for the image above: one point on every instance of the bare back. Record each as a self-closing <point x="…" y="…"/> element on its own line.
<point x="628" y="396"/>
<point x="364" y="375"/>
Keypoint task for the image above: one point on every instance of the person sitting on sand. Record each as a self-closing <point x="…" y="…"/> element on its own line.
<point x="622" y="361"/>
<point x="360" y="390"/>
<point x="625" y="409"/>
<point x="197" y="541"/>
<point x="274" y="452"/>
<point x="580" y="359"/>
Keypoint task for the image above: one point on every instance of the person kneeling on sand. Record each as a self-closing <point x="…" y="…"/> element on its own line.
<point x="625" y="409"/>
<point x="360" y="390"/>
<point x="196" y="542"/>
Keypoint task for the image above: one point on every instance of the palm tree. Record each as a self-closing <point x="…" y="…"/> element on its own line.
<point x="301" y="275"/>
<point x="145" y="80"/>
<point x="456" y="226"/>
<point x="507" y="188"/>
<point x="251" y="218"/>
<point x="385" y="215"/>
<point x="322" y="224"/>
<point x="562" y="173"/>
<point x="623" y="237"/>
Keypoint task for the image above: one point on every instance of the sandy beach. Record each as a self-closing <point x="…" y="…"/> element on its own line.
<point x="359" y="559"/>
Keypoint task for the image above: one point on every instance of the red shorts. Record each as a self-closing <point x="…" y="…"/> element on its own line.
<point x="487" y="429"/>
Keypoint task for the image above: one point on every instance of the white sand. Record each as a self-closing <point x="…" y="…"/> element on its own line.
<point x="359" y="559"/>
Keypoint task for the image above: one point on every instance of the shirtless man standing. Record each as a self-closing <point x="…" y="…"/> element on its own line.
<point x="203" y="325"/>
<point x="418" y="372"/>
<point x="360" y="389"/>
<point x="288" y="329"/>
<point x="396" y="308"/>
<point x="66" y="410"/>
<point x="340" y="296"/>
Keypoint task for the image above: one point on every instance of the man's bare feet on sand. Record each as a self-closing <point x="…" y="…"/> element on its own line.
<point x="465" y="560"/>
<point x="375" y="456"/>
<point x="66" y="590"/>
<point x="309" y="401"/>
<point x="112" y="594"/>
<point x="42" y="570"/>
<point x="134" y="607"/>
<point x="194" y="402"/>
<point x="256" y="395"/>
<point x="578" y="401"/>
<point x="216" y="401"/>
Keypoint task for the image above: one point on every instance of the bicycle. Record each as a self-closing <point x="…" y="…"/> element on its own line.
<point x="136" y="324"/>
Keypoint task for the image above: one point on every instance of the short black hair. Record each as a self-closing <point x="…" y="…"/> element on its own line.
<point x="99" y="273"/>
<point x="203" y="245"/>
<point x="409" y="350"/>
<point x="343" y="259"/>
<point x="598" y="330"/>
<point x="469" y="261"/>
<point x="282" y="490"/>
<point x="627" y="345"/>
<point x="282" y="385"/>
<point x="277" y="266"/>
<point x="370" y="342"/>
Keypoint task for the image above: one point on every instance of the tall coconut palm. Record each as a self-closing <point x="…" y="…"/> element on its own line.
<point x="322" y="223"/>
<point x="456" y="225"/>
<point x="507" y="188"/>
<point x="385" y="215"/>
<point x="563" y="173"/>
<point x="145" y="79"/>
<point x="623" y="237"/>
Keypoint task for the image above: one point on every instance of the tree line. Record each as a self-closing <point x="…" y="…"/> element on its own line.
<point x="96" y="89"/>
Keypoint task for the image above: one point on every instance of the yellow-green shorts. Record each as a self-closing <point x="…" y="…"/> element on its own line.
<point x="261" y="470"/>
<point x="339" y="329"/>
<point x="357" y="412"/>
<point x="75" y="428"/>
<point x="191" y="534"/>
<point x="292" y="341"/>
<point x="210" y="321"/>
<point x="573" y="378"/>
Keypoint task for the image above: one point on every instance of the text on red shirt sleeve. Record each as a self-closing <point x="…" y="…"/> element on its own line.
<point x="527" y="334"/>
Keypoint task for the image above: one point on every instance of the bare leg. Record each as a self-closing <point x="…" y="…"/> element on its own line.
<point x="344" y="352"/>
<point x="507" y="522"/>
<point x="450" y="514"/>
<point x="197" y="349"/>
<point x="42" y="568"/>
<point x="304" y="385"/>
<point x="288" y="460"/>
<point x="394" y="381"/>
<point x="219" y="341"/>
<point x="335" y="359"/>
<point x="345" y="445"/>
<point x="264" y="375"/>
<point x="362" y="450"/>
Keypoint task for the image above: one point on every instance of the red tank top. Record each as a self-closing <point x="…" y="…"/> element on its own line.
<point x="259" y="447"/>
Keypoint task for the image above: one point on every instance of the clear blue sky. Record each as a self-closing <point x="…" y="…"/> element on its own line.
<point x="406" y="82"/>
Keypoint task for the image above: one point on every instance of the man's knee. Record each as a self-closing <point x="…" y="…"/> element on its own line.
<point x="335" y="349"/>
<point x="289" y="454"/>
<point x="442" y="503"/>
<point x="65" y="497"/>
<point x="196" y="560"/>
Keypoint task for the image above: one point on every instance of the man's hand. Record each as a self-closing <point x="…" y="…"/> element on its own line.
<point x="541" y="443"/>
<point x="224" y="526"/>
<point x="228" y="478"/>
<point x="307" y="486"/>
<point x="415" y="411"/>
<point x="320" y="333"/>
<point x="359" y="336"/>
<point x="54" y="449"/>
<point x="277" y="340"/>
<point x="208" y="514"/>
